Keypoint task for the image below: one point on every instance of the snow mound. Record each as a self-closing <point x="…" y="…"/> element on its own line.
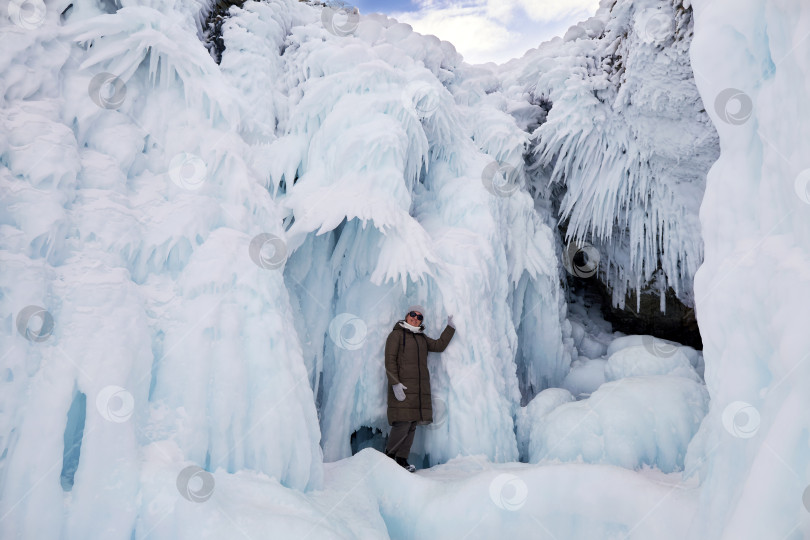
<point x="542" y="404"/>
<point x="503" y="500"/>
<point x="638" y="360"/>
<point x="662" y="348"/>
<point x="631" y="422"/>
<point x="585" y="377"/>
<point x="370" y="497"/>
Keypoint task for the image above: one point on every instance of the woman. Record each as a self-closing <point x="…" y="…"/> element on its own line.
<point x="409" y="381"/>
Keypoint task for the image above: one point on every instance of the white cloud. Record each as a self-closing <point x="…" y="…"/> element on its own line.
<point x="469" y="30"/>
<point x="497" y="30"/>
<point x="541" y="10"/>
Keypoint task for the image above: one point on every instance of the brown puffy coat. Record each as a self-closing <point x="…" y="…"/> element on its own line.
<point x="406" y="363"/>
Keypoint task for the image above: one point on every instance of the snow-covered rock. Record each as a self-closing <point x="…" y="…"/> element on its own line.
<point x="625" y="133"/>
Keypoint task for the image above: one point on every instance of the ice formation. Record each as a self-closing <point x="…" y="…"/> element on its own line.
<point x="202" y="251"/>
<point x="627" y="135"/>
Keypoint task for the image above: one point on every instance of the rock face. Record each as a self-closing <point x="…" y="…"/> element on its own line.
<point x="215" y="15"/>
<point x="677" y="323"/>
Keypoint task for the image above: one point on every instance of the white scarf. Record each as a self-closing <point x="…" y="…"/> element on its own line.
<point x="403" y="324"/>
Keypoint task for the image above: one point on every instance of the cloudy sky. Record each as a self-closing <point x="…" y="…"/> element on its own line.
<point x="486" y="30"/>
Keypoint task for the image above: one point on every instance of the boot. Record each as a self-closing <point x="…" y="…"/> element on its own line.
<point x="405" y="465"/>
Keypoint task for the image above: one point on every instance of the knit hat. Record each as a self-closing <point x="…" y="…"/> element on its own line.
<point x="418" y="308"/>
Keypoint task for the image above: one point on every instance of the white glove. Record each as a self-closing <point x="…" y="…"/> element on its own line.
<point x="450" y="321"/>
<point x="399" y="391"/>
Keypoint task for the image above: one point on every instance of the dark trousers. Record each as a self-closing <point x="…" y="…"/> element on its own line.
<point x="401" y="439"/>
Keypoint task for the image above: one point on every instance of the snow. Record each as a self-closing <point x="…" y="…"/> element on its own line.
<point x="642" y="360"/>
<point x="634" y="421"/>
<point x="369" y="496"/>
<point x="585" y="377"/>
<point x="659" y="350"/>
<point x="528" y="416"/>
<point x="200" y="263"/>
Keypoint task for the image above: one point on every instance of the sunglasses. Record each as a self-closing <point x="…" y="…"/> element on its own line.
<point x="417" y="315"/>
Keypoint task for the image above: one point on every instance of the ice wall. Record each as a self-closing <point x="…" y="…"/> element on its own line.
<point x="196" y="256"/>
<point x="136" y="323"/>
<point x="394" y="194"/>
<point x="752" y="65"/>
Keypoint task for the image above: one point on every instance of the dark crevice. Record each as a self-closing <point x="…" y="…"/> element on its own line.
<point x="319" y="397"/>
<point x="366" y="437"/>
<point x="65" y="15"/>
<point x="677" y="324"/>
<point x="212" y="31"/>
<point x="108" y="6"/>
